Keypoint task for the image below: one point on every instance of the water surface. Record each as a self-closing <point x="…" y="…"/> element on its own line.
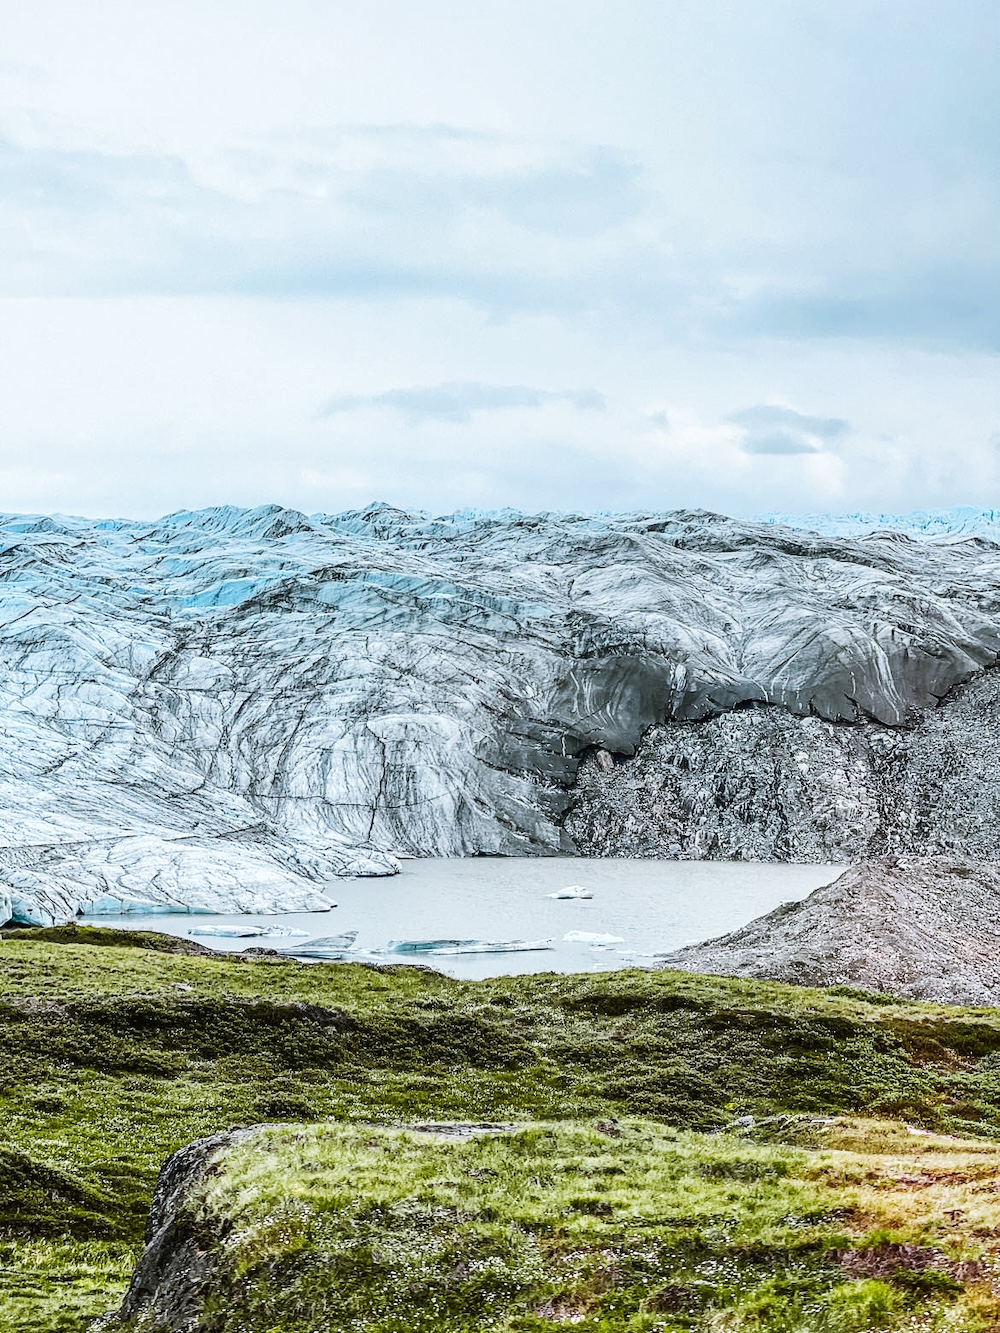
<point x="653" y="905"/>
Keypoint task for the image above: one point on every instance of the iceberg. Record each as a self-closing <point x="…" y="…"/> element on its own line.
<point x="572" y="891"/>
<point x="439" y="948"/>
<point x="248" y="932"/>
<point x="331" y="948"/>
<point x="589" y="937"/>
<point x="426" y="946"/>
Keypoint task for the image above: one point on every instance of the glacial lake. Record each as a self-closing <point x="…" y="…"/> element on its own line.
<point x="651" y="906"/>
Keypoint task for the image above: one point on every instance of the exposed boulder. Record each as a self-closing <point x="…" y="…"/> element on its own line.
<point x="179" y="1269"/>
<point x="177" y="1266"/>
<point x="920" y="928"/>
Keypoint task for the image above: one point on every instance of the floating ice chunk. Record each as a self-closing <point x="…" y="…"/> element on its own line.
<point x="572" y="891"/>
<point x="437" y="948"/>
<point x="247" y="932"/>
<point x="342" y="941"/>
<point x="507" y="946"/>
<point x="426" y="946"/>
<point x="330" y="947"/>
<point x="306" y="954"/>
<point x="587" y="937"/>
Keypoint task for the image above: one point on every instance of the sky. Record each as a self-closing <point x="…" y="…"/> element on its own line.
<point x="741" y="255"/>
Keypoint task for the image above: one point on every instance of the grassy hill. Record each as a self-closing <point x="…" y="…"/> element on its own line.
<point x="115" y="1056"/>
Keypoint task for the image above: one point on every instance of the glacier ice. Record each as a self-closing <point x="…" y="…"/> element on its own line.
<point x="452" y="948"/>
<point x="248" y="932"/>
<point x="961" y="522"/>
<point x="224" y="710"/>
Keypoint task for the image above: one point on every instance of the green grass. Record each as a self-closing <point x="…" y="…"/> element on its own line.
<point x="59" y="1286"/>
<point x="114" y="1056"/>
<point x="348" y="1227"/>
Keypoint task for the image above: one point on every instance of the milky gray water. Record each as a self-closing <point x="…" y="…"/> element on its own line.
<point x="653" y="906"/>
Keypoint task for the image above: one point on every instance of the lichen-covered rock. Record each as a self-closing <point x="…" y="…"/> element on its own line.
<point x="921" y="928"/>
<point x="227" y="708"/>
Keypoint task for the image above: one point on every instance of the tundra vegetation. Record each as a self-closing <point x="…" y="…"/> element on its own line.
<point x="865" y="1194"/>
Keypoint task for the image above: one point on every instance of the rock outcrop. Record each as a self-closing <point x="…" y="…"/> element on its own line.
<point x="919" y="928"/>
<point x="763" y="784"/>
<point x="225" y="709"/>
<point x="178" y="1270"/>
<point x="175" y="1271"/>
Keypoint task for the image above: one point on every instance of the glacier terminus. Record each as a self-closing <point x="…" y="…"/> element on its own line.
<point x="225" y="710"/>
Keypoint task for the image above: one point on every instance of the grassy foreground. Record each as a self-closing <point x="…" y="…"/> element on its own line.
<point x="114" y="1056"/>
<point x="643" y="1228"/>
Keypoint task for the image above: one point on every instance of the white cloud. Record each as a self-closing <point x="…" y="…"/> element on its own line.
<point x="773" y="428"/>
<point x="457" y="401"/>
<point x="474" y="223"/>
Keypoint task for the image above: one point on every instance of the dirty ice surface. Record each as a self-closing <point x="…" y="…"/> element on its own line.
<point x="652" y="905"/>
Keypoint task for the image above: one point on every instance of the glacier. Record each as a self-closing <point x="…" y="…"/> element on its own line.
<point x="225" y="710"/>
<point x="961" y="521"/>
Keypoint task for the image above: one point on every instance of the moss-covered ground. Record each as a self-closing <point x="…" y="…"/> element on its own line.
<point x="632" y="1226"/>
<point x="114" y="1056"/>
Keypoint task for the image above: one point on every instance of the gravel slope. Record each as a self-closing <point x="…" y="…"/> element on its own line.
<point x="922" y="928"/>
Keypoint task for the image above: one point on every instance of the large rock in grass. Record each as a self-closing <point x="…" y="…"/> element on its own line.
<point x="921" y="928"/>
<point x="183" y="1266"/>
<point x="175" y="1272"/>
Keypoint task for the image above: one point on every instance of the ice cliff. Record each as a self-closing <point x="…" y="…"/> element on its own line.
<point x="225" y="709"/>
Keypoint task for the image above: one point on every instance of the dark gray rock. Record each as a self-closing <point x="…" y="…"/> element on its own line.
<point x="764" y="784"/>
<point x="177" y="1266"/>
<point x="919" y="928"/>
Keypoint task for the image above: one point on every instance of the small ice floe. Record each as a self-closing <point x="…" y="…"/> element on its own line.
<point x="248" y="932"/>
<point x="439" y="948"/>
<point x="587" y="937"/>
<point x="330" y="947"/>
<point x="572" y="891"/>
<point x="426" y="946"/>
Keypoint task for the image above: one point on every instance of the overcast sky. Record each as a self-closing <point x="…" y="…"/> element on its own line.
<point x="556" y="254"/>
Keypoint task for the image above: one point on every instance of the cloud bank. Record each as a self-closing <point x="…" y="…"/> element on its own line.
<point x="774" y="429"/>
<point x="458" y="401"/>
<point x="504" y="223"/>
<point x="730" y="229"/>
